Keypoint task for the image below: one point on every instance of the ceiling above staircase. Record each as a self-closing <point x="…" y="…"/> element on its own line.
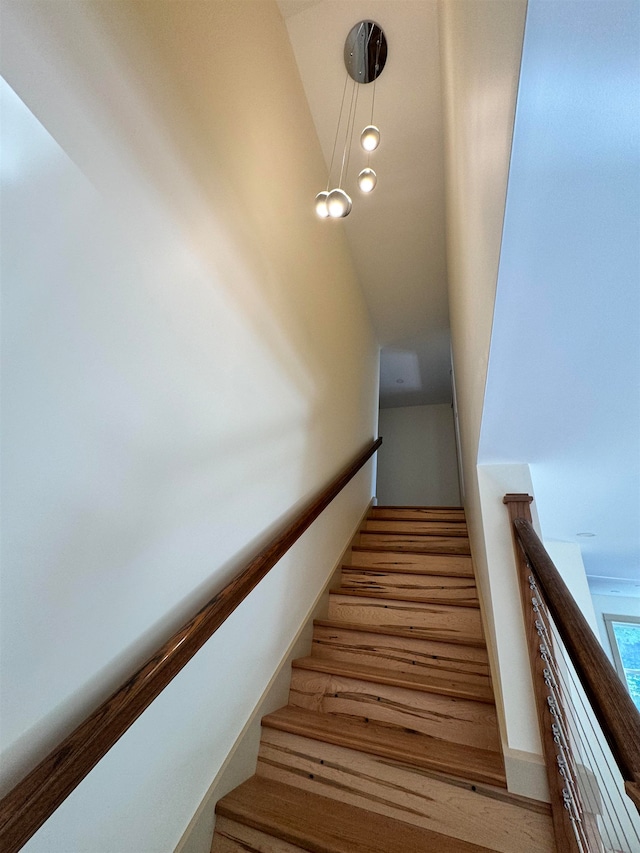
<point x="562" y="387"/>
<point x="397" y="234"/>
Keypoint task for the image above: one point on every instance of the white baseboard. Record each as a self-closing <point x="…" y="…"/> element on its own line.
<point x="526" y="774"/>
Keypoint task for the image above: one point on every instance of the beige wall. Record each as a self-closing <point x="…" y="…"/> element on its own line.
<point x="187" y="358"/>
<point x="481" y="51"/>
<point x="417" y="463"/>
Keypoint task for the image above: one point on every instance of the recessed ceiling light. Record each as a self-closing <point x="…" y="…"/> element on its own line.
<point x="586" y="535"/>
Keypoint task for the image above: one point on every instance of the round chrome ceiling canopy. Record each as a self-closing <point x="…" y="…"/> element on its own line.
<point x="365" y="52"/>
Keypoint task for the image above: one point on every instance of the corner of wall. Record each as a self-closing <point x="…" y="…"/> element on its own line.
<point x="502" y="613"/>
<point x="526" y="774"/>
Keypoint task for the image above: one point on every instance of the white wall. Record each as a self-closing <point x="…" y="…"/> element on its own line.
<point x="417" y="463"/>
<point x="570" y="231"/>
<point x="499" y="591"/>
<point x="568" y="559"/>
<point x="563" y="384"/>
<point x="481" y="42"/>
<point x="186" y="359"/>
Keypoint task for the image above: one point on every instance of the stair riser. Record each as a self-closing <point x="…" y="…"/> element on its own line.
<point x="395" y="790"/>
<point x="409" y="542"/>
<point x="412" y="587"/>
<point x="452" y="565"/>
<point x="406" y="747"/>
<point x="450" y="623"/>
<point x="432" y="528"/>
<point x="417" y="513"/>
<point x="474" y="687"/>
<point x="234" y="837"/>
<point x="402" y="654"/>
<point x="458" y="720"/>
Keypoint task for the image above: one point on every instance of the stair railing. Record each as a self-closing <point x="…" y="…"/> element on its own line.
<point x="33" y="800"/>
<point x="589" y="725"/>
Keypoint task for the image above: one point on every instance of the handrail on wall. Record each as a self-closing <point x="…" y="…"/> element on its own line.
<point x="611" y="703"/>
<point x="24" y="809"/>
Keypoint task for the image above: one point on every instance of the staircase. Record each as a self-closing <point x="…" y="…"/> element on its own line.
<point x="390" y="741"/>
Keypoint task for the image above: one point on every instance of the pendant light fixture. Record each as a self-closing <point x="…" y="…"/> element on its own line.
<point x="370" y="138"/>
<point x="367" y="180"/>
<point x="338" y="204"/>
<point x="321" y="204"/>
<point x="365" y="55"/>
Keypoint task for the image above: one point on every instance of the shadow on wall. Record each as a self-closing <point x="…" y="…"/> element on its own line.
<point x="176" y="380"/>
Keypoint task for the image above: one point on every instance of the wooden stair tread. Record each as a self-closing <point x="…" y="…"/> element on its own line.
<point x="454" y="607"/>
<point x="423" y="534"/>
<point x="409" y="569"/>
<point x="410" y="586"/>
<point x="417" y="527"/>
<point x="419" y="506"/>
<point x="451" y="619"/>
<point x="416" y="542"/>
<point x="411" y="654"/>
<point x="404" y="596"/>
<point x="419" y="750"/>
<point x="418" y="512"/>
<point x="322" y="825"/>
<point x="407" y="562"/>
<point x="414" y="583"/>
<point x="402" y="519"/>
<point x="443" y="685"/>
<point x="400" y="631"/>
<point x="390" y="742"/>
<point x="382" y="508"/>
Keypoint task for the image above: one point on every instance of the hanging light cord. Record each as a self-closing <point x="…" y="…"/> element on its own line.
<point x="353" y="122"/>
<point x="375" y="79"/>
<point x="346" y="140"/>
<point x="335" y="141"/>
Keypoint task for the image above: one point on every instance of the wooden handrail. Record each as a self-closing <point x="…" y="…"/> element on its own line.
<point x="611" y="703"/>
<point x="24" y="809"/>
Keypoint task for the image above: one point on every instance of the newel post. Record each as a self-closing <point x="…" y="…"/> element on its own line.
<point x="519" y="506"/>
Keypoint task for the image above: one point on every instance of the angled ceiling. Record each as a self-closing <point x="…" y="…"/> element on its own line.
<point x="563" y="387"/>
<point x="396" y="234"/>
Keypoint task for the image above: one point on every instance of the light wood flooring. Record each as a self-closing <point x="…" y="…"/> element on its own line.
<point x="389" y="743"/>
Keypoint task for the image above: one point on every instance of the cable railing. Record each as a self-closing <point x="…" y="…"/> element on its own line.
<point x="33" y="800"/>
<point x="589" y="725"/>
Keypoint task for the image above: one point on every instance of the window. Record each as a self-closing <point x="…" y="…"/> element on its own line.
<point x="624" y="636"/>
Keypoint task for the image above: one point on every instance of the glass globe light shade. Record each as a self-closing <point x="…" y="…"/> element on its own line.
<point x="338" y="204"/>
<point x="370" y="138"/>
<point x="367" y="179"/>
<point x="321" y="205"/>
